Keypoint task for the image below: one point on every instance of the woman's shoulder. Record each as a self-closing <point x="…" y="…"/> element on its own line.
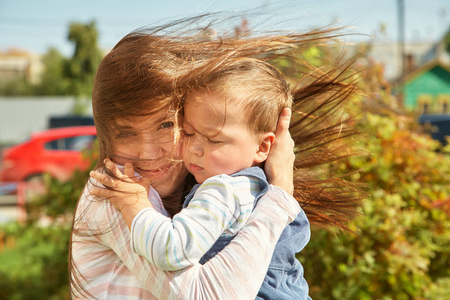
<point x="95" y="210"/>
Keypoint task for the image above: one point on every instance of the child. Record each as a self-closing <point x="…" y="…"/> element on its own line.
<point x="229" y="123"/>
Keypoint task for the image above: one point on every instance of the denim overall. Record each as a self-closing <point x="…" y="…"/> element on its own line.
<point x="284" y="278"/>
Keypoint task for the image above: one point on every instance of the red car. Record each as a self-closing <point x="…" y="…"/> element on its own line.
<point x="55" y="151"/>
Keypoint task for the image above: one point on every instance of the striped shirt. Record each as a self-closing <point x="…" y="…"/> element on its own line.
<point x="220" y="206"/>
<point x="107" y="268"/>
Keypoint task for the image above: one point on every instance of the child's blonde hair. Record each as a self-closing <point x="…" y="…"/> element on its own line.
<point x="255" y="86"/>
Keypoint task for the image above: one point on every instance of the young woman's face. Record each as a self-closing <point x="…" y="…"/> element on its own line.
<point x="148" y="143"/>
<point x="217" y="140"/>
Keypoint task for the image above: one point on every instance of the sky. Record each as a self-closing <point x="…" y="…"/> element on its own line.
<point x="37" y="25"/>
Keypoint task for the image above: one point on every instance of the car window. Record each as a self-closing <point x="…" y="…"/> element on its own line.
<point x="76" y="143"/>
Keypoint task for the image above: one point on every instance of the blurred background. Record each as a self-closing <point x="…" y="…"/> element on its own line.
<point x="400" y="247"/>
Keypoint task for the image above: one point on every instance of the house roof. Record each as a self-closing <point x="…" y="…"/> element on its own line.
<point x="425" y="68"/>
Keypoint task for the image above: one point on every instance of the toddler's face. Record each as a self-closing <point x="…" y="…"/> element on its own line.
<point x="217" y="140"/>
<point x="148" y="143"/>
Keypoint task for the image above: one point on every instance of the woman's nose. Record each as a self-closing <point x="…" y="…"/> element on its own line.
<point x="151" y="151"/>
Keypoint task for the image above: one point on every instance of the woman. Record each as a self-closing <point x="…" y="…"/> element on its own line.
<point x="136" y="104"/>
<point x="135" y="114"/>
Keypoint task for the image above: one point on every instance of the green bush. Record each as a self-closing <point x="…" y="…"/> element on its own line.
<point x="35" y="267"/>
<point x="400" y="248"/>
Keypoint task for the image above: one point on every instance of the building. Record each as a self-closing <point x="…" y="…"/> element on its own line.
<point x="22" y="116"/>
<point x="16" y="64"/>
<point x="427" y="88"/>
<point x="388" y="54"/>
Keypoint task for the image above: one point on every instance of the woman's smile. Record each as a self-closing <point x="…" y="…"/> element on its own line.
<point x="154" y="173"/>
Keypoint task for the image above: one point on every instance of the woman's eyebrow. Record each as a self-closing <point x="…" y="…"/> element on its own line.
<point x="124" y="127"/>
<point x="160" y="118"/>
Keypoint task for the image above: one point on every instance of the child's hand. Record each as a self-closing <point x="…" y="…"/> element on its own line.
<point x="122" y="189"/>
<point x="279" y="166"/>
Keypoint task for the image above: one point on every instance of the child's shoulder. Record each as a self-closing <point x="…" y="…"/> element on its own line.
<point x="241" y="188"/>
<point x="252" y="174"/>
<point x="224" y="182"/>
<point x="231" y="179"/>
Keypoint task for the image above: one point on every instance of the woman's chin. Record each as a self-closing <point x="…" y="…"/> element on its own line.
<point x="172" y="181"/>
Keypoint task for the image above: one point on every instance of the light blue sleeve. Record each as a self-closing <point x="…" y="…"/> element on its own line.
<point x="173" y="244"/>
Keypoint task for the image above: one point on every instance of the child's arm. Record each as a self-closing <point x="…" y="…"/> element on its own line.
<point x="218" y="205"/>
<point x="128" y="193"/>
<point x="180" y="242"/>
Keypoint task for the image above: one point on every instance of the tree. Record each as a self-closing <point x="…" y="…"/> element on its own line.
<point x="65" y="76"/>
<point x="17" y="87"/>
<point x="80" y="69"/>
<point x="447" y="41"/>
<point x="53" y="81"/>
<point x="35" y="266"/>
<point x="399" y="247"/>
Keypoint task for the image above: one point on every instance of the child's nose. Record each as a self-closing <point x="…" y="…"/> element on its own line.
<point x="196" y="147"/>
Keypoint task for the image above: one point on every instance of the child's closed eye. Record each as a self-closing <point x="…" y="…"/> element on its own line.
<point x="214" y="142"/>
<point x="188" y="134"/>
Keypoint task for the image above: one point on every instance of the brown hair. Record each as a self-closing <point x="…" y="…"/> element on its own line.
<point x="136" y="78"/>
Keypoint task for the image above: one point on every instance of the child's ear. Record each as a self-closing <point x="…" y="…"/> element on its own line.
<point x="265" y="144"/>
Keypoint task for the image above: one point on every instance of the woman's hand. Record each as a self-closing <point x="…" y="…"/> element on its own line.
<point x="279" y="166"/>
<point x="122" y="190"/>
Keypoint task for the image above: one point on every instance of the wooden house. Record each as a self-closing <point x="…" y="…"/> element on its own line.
<point x="427" y="89"/>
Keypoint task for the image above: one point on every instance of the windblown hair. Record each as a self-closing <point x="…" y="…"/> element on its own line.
<point x="136" y="78"/>
<point x="149" y="72"/>
<point x="320" y="125"/>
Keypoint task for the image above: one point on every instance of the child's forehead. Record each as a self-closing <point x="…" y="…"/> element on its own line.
<point x="209" y="113"/>
<point x="215" y="105"/>
<point x="216" y="97"/>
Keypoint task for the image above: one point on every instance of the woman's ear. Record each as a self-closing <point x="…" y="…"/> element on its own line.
<point x="265" y="144"/>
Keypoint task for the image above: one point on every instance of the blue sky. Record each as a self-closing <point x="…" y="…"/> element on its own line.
<point x="36" y="25"/>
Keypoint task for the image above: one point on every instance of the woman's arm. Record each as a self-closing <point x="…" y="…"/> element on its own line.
<point x="236" y="272"/>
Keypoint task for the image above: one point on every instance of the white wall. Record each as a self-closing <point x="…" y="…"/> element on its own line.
<point x="21" y="116"/>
